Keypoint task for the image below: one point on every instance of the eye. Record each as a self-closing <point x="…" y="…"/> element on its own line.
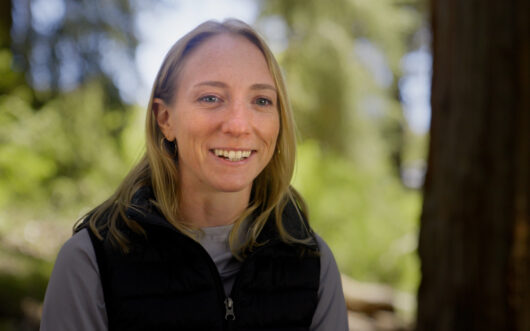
<point x="263" y="102"/>
<point x="209" y="99"/>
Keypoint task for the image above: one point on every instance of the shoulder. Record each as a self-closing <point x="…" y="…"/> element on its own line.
<point x="329" y="271"/>
<point x="77" y="250"/>
<point x="296" y="224"/>
<point x="331" y="309"/>
<point x="75" y="262"/>
<point x="327" y="259"/>
<point x="74" y="298"/>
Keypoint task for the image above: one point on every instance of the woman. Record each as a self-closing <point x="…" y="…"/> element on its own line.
<point x="205" y="233"/>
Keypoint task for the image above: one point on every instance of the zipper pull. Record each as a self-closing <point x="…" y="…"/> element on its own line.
<point x="229" y="308"/>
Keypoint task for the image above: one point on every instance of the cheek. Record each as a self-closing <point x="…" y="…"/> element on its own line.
<point x="184" y="135"/>
<point x="193" y="131"/>
<point x="268" y="132"/>
<point x="272" y="134"/>
<point x="275" y="129"/>
<point x="184" y="126"/>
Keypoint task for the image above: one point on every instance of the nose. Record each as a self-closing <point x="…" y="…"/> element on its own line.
<point x="237" y="121"/>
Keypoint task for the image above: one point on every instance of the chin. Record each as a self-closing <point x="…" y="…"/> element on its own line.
<point x="232" y="187"/>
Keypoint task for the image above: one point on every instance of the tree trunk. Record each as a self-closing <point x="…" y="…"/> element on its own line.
<point x="475" y="226"/>
<point x="5" y="23"/>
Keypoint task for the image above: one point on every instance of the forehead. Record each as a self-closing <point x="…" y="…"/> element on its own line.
<point x="226" y="56"/>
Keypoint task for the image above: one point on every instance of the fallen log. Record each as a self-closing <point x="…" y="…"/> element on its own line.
<point x="367" y="298"/>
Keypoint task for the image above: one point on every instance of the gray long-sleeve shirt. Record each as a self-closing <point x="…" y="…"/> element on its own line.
<point x="74" y="298"/>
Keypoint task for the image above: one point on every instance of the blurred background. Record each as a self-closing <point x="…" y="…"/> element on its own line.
<point x="75" y="79"/>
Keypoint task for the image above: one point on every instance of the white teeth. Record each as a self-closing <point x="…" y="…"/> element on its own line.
<point x="232" y="155"/>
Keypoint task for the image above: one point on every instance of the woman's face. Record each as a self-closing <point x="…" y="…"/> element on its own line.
<point x="225" y="116"/>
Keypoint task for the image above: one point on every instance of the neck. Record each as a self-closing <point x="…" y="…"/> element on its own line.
<point x="207" y="209"/>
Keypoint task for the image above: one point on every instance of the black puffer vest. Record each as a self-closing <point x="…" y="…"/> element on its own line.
<point x="169" y="282"/>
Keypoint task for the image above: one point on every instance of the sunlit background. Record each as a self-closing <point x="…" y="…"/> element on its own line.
<point x="75" y="78"/>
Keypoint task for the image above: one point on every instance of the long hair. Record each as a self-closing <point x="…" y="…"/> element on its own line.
<point x="271" y="189"/>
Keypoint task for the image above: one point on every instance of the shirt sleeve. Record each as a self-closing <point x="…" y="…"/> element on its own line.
<point x="331" y="311"/>
<point x="74" y="297"/>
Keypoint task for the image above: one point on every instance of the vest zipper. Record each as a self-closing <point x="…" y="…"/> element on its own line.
<point x="229" y="308"/>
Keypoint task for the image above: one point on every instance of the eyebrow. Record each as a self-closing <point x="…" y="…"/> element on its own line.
<point x="263" y="87"/>
<point x="224" y="85"/>
<point x="211" y="83"/>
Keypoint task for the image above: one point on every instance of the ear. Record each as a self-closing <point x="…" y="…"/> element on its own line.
<point x="162" y="114"/>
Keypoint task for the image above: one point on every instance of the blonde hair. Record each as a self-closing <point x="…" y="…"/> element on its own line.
<point x="271" y="190"/>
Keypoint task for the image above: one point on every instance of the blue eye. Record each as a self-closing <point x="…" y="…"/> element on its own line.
<point x="209" y="99"/>
<point x="263" y="102"/>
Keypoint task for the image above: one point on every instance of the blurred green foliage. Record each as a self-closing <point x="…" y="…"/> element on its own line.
<point x="364" y="214"/>
<point x="342" y="62"/>
<point x="63" y="154"/>
<point x="62" y="44"/>
<point x="355" y="140"/>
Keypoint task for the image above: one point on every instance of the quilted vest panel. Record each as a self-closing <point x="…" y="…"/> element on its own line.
<point x="169" y="282"/>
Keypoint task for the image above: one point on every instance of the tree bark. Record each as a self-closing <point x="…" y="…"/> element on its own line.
<point x="5" y="23"/>
<point x="474" y="239"/>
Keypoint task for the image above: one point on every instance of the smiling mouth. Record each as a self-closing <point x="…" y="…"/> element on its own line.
<point x="231" y="155"/>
